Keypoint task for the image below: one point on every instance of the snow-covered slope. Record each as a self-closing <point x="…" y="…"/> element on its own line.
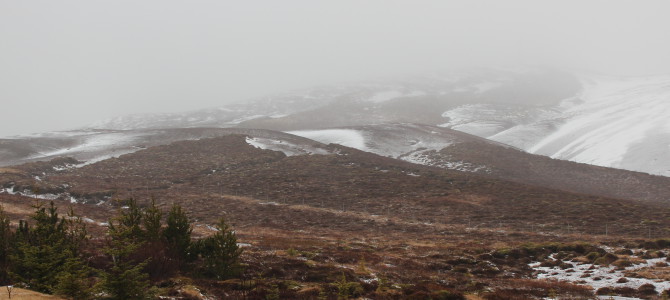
<point x="347" y="137"/>
<point x="620" y="123"/>
<point x="414" y="143"/>
<point x="94" y="146"/>
<point x="612" y="122"/>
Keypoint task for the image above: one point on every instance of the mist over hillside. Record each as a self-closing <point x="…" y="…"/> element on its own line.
<point x="610" y="121"/>
<point x="299" y="149"/>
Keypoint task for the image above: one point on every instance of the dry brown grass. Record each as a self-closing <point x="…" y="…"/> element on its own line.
<point x="11" y="208"/>
<point x="654" y="273"/>
<point x="23" y="294"/>
<point x="473" y="297"/>
<point x="10" y="171"/>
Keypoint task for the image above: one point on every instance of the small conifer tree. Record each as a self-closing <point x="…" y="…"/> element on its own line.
<point x="220" y="252"/>
<point x="129" y="222"/>
<point x="77" y="234"/>
<point x="6" y="237"/>
<point x="126" y="278"/>
<point x="74" y="281"/>
<point x="177" y="233"/>
<point x="152" y="222"/>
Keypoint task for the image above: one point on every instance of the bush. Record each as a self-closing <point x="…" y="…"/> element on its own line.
<point x="564" y="266"/>
<point x="601" y="261"/>
<point x="624" y="252"/>
<point x="663" y="243"/>
<point x="622" y="263"/>
<point x="592" y="256"/>
<point x="606" y="259"/>
<point x="447" y="295"/>
<point x="604" y="291"/>
<point x="647" y="289"/>
<point x="346" y="289"/>
<point x="625" y="291"/>
<point x="507" y="294"/>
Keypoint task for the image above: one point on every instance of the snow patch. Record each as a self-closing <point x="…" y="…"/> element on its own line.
<point x="496" y="121"/>
<point x="64" y="167"/>
<point x="599" y="276"/>
<point x="486" y="86"/>
<point x="47" y="196"/>
<point x="345" y="137"/>
<point x="104" y="157"/>
<point x="384" y="96"/>
<point x="9" y="190"/>
<point x="244" y="119"/>
<point x="287" y="148"/>
<point x="92" y="143"/>
<point x="96" y="146"/>
<point x="423" y="157"/>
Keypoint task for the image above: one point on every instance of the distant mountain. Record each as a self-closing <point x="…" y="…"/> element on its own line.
<point x="413" y="100"/>
<point x="606" y="121"/>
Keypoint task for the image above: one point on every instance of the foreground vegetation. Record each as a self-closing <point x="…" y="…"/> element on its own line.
<point x="145" y="252"/>
<point x="54" y="254"/>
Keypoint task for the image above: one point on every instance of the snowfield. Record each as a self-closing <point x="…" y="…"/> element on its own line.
<point x="521" y="127"/>
<point x="618" y="122"/>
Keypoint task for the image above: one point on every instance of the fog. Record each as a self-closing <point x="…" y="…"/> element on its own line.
<point x="65" y="64"/>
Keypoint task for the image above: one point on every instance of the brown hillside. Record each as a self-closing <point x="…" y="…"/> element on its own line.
<point x="197" y="173"/>
<point x="515" y="165"/>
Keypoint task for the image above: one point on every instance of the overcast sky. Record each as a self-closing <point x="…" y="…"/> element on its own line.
<point x="65" y="64"/>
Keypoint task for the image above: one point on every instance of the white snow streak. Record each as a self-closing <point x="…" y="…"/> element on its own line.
<point x="345" y="137"/>
<point x="614" y="115"/>
<point x="287" y="148"/>
<point x="384" y="96"/>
